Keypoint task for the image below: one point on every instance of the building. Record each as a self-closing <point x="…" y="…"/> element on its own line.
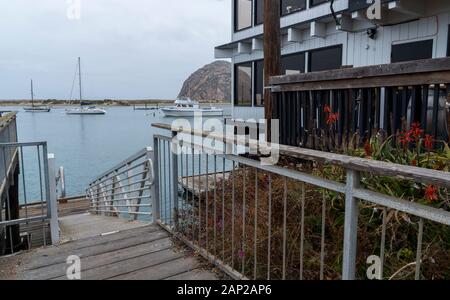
<point x="320" y="35"/>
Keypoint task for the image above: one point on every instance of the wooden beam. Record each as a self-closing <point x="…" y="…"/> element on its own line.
<point x="411" y="8"/>
<point x="318" y="29"/>
<point x="294" y="35"/>
<point x="244" y="48"/>
<point x="346" y="22"/>
<point x="272" y="56"/>
<point x="257" y="44"/>
<point x="405" y="68"/>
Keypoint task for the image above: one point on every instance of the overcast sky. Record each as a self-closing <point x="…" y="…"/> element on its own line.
<point x="130" y="49"/>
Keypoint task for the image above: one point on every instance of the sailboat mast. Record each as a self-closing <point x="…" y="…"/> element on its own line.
<point x="79" y="78"/>
<point x="32" y="94"/>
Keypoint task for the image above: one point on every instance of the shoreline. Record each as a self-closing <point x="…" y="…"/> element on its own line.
<point x="126" y="103"/>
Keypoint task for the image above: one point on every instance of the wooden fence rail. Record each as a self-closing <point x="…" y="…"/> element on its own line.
<point x="328" y="110"/>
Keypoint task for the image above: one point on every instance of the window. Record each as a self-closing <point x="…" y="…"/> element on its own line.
<point x="243" y="85"/>
<point x="292" y="6"/>
<point x="287" y="7"/>
<point x="325" y="59"/>
<point x="448" y="41"/>
<point x="242" y="14"/>
<point x="293" y="64"/>
<point x="316" y="2"/>
<point x="412" y="51"/>
<point x="259" y="12"/>
<point x="259" y="83"/>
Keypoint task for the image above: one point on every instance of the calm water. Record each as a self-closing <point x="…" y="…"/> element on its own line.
<point x="86" y="145"/>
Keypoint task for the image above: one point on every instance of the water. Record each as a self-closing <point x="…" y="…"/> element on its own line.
<point x="86" y="146"/>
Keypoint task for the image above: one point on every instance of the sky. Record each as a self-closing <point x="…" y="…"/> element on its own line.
<point x="130" y="49"/>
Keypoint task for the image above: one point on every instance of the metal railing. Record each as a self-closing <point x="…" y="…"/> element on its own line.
<point x="28" y="195"/>
<point x="125" y="190"/>
<point x="270" y="222"/>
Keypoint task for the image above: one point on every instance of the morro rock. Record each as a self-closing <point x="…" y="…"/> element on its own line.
<point x="209" y="84"/>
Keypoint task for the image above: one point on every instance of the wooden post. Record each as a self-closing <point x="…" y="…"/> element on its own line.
<point x="272" y="56"/>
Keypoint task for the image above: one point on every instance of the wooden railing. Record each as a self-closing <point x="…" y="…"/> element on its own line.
<point x="331" y="109"/>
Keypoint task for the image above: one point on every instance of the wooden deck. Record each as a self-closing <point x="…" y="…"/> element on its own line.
<point x="109" y="248"/>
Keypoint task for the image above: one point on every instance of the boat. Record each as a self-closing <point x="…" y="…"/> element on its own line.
<point x="190" y="108"/>
<point x="35" y="108"/>
<point x="85" y="108"/>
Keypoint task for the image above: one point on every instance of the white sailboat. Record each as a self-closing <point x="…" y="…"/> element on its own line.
<point x="35" y="108"/>
<point x="84" y="109"/>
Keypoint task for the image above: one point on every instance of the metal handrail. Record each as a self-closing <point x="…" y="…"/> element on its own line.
<point x="192" y="208"/>
<point x="13" y="170"/>
<point x="124" y="186"/>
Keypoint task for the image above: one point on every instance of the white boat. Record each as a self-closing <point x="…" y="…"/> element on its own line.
<point x="35" y="108"/>
<point x="190" y="108"/>
<point x="84" y="109"/>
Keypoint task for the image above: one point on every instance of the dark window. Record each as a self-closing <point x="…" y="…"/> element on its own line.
<point x="316" y="2"/>
<point x="293" y="64"/>
<point x="259" y="83"/>
<point x="292" y="6"/>
<point x="243" y="85"/>
<point x="412" y="51"/>
<point x="325" y="59"/>
<point x="242" y="14"/>
<point x="259" y="12"/>
<point x="448" y="41"/>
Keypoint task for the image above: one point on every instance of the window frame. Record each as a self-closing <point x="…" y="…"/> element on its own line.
<point x="236" y="78"/>
<point x="448" y="41"/>
<point x="340" y="46"/>
<point x="315" y="5"/>
<point x="291" y="13"/>
<point x="427" y="39"/>
<point x="255" y="82"/>
<point x="235" y="14"/>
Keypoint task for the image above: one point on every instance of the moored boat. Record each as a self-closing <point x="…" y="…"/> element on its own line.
<point x="190" y="108"/>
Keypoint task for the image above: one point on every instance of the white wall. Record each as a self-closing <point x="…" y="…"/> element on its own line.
<point x="358" y="49"/>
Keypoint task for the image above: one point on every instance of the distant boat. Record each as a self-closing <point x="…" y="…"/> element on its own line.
<point x="35" y="108"/>
<point x="83" y="109"/>
<point x="189" y="108"/>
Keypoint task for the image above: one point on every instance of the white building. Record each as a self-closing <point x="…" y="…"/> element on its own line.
<point x="315" y="39"/>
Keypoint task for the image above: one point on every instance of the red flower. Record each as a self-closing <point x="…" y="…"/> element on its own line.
<point x="414" y="163"/>
<point x="405" y="138"/>
<point x="327" y="108"/>
<point x="368" y="149"/>
<point x="431" y="193"/>
<point x="416" y="130"/>
<point x="429" y="142"/>
<point x="332" y="118"/>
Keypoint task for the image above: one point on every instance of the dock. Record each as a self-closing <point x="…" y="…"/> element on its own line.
<point x="109" y="248"/>
<point x="199" y="184"/>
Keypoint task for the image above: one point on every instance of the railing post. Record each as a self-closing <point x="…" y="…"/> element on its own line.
<point x="350" y="226"/>
<point x="53" y="205"/>
<point x="175" y="176"/>
<point x="153" y="156"/>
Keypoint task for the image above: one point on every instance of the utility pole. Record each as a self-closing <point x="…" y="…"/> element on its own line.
<point x="272" y="56"/>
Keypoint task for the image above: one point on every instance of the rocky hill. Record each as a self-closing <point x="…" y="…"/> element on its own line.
<point x="210" y="83"/>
